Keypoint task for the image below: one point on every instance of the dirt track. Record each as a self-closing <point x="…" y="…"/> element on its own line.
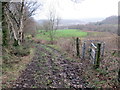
<point x="51" y="69"/>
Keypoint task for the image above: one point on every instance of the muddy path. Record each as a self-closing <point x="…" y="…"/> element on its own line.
<point x="50" y="68"/>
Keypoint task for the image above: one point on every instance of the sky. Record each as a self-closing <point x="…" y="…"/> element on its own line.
<point x="66" y="9"/>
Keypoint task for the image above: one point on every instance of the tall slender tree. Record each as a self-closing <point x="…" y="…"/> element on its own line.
<point x="5" y="33"/>
<point x="52" y="23"/>
<point x="16" y="14"/>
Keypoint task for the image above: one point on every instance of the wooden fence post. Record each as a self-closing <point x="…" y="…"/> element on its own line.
<point x="103" y="49"/>
<point x="77" y="47"/>
<point x="90" y="51"/>
<point x="95" y="59"/>
<point x="119" y="76"/>
<point x="97" y="64"/>
<point x="83" y="50"/>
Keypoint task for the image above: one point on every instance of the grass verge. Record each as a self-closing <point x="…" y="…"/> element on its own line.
<point x="12" y="73"/>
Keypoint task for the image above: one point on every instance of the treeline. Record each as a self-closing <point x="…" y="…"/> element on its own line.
<point x="109" y="24"/>
<point x="92" y="27"/>
<point x="17" y="25"/>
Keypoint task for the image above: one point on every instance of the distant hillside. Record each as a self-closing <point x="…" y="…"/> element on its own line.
<point x="109" y="20"/>
<point x="65" y="22"/>
<point x="109" y="24"/>
<point x="71" y="22"/>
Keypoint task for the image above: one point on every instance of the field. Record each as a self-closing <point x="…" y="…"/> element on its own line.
<point x="61" y="33"/>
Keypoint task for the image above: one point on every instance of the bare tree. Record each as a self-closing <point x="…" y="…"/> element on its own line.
<point x="17" y="13"/>
<point x="46" y="25"/>
<point x="52" y="24"/>
<point x="30" y="26"/>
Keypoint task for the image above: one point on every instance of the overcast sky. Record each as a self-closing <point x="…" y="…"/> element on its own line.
<point x="66" y="9"/>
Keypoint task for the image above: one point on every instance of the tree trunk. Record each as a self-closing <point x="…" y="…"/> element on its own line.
<point x="119" y="46"/>
<point x="5" y="36"/>
<point x="119" y="36"/>
<point x="20" y="32"/>
<point x="13" y="30"/>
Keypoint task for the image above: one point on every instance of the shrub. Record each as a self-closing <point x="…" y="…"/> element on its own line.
<point x="21" y="51"/>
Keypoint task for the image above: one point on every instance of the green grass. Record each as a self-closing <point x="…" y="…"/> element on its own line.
<point x="62" y="34"/>
<point x="70" y="33"/>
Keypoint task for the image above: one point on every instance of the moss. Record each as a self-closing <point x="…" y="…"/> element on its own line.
<point x="15" y="43"/>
